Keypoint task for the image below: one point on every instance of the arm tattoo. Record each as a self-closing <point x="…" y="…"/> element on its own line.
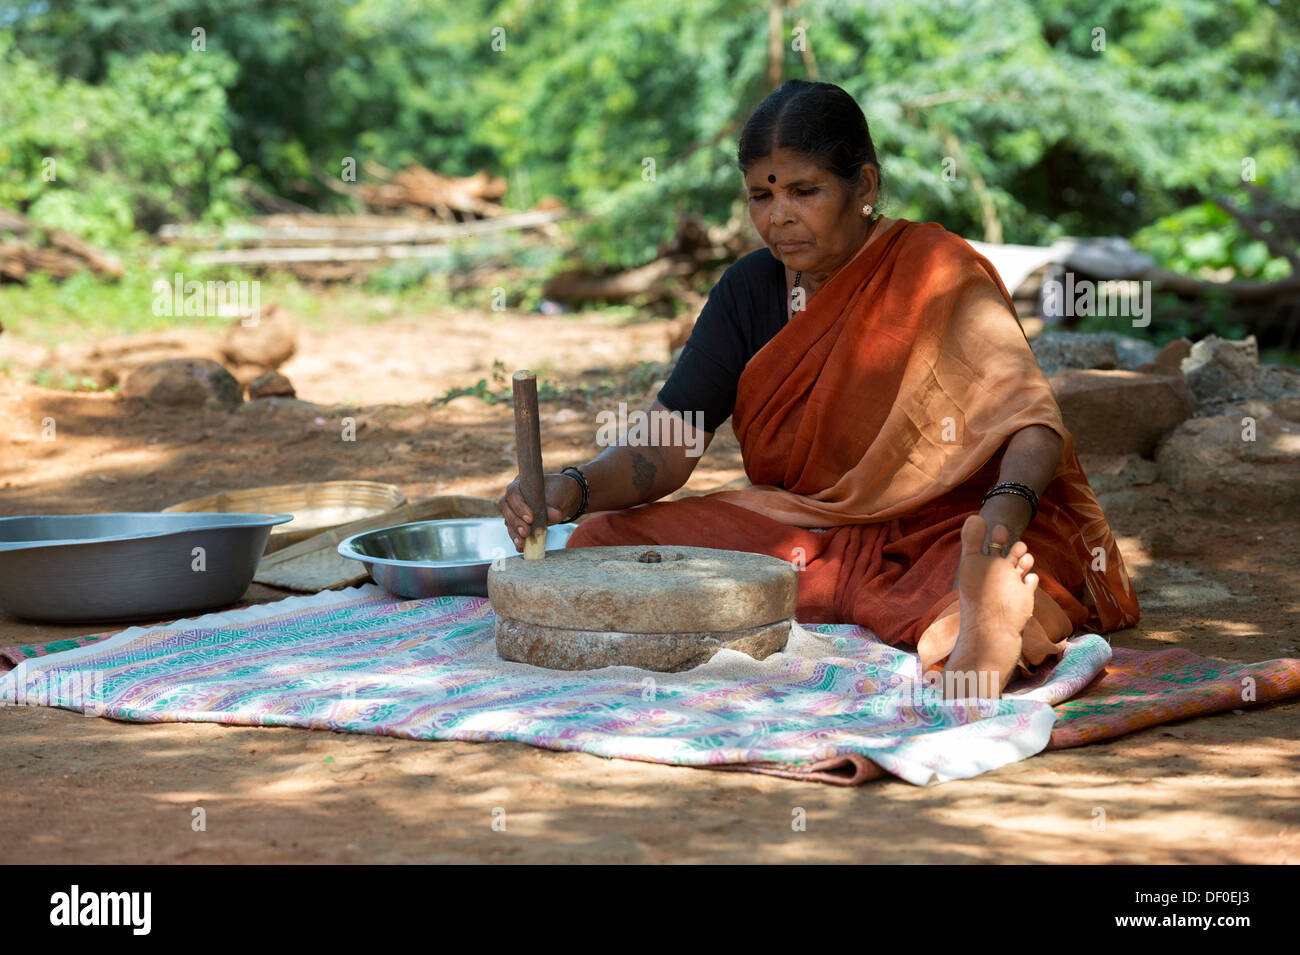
<point x="643" y="472"/>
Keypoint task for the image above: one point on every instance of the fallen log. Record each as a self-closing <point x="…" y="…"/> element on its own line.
<point x="68" y="254"/>
<point x="376" y="252"/>
<point x="52" y="262"/>
<point x="101" y="262"/>
<point x="374" y="230"/>
<point x="12" y="222"/>
<point x="12" y="263"/>
<point x="650" y="281"/>
<point x="1242" y="290"/>
<point x="420" y="192"/>
<point x="692" y="250"/>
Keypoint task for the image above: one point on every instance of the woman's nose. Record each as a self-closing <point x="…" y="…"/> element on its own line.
<point x="779" y="213"/>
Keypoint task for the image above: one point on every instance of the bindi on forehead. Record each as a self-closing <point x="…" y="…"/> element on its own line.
<point x="771" y="177"/>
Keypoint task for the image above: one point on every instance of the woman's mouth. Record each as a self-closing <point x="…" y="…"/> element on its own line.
<point x="790" y="246"/>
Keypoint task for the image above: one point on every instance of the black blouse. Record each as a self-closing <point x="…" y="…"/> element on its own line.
<point x="746" y="308"/>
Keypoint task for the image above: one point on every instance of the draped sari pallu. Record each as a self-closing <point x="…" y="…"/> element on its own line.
<point x="871" y="426"/>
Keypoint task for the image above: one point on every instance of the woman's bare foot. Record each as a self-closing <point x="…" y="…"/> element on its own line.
<point x="997" y="599"/>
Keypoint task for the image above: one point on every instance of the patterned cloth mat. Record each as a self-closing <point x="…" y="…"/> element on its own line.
<point x="12" y="656"/>
<point x="837" y="706"/>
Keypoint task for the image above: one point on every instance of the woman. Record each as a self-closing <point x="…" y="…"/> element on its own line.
<point x="905" y="449"/>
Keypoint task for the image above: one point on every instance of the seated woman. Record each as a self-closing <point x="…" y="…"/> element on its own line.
<point x="905" y="449"/>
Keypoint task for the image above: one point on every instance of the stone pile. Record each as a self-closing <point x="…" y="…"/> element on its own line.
<point x="1207" y="419"/>
<point x="179" y="368"/>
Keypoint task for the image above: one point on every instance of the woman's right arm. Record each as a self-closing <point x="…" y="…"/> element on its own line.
<point x="621" y="476"/>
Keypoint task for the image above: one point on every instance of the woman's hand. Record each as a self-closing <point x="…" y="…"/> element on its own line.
<point x="622" y="476"/>
<point x="563" y="495"/>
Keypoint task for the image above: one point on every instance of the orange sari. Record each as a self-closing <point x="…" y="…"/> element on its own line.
<point x="870" y="426"/>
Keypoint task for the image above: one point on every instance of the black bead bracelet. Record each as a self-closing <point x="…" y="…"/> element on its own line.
<point x="1033" y="495"/>
<point x="1018" y="489"/>
<point x="577" y="475"/>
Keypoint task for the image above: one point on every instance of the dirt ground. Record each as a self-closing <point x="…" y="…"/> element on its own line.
<point x="75" y="790"/>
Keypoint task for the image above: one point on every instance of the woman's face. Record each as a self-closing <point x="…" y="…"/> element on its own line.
<point x="806" y="215"/>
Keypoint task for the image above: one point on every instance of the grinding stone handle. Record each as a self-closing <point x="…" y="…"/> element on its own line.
<point x="528" y="452"/>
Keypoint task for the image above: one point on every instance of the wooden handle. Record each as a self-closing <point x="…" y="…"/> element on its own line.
<point x="528" y="452"/>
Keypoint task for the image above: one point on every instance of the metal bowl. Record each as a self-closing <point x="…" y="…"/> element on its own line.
<point x="439" y="558"/>
<point x="112" y="567"/>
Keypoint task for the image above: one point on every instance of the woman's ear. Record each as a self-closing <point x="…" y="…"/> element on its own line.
<point x="869" y="185"/>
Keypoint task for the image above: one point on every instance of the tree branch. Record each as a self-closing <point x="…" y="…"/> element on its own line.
<point x="1254" y="226"/>
<point x="775" y="43"/>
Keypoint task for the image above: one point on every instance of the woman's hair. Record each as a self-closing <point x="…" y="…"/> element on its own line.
<point x="816" y="120"/>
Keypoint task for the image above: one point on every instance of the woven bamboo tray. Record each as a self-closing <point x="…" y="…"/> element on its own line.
<point x="315" y="507"/>
<point x="314" y="565"/>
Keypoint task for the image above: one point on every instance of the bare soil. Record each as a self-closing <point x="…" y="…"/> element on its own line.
<point x="77" y="790"/>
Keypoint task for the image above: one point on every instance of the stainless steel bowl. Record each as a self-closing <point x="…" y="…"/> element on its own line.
<point x="439" y="558"/>
<point x="113" y="567"/>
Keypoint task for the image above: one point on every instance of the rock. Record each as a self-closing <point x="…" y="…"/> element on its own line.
<point x="185" y="382"/>
<point x="1120" y="412"/>
<point x="1132" y="352"/>
<point x="1221" y="372"/>
<point x="1121" y="502"/>
<point x="1057" y="351"/>
<point x="1118" y="472"/>
<point x="270" y="385"/>
<point x="245" y="374"/>
<point x="267" y="345"/>
<point x="283" y="407"/>
<point x="1236" y="462"/>
<point x="687" y="590"/>
<point x="1287" y="409"/>
<point x="109" y="361"/>
<point x="1219" y="369"/>
<point x="1170" y="358"/>
<point x="1282" y="383"/>
<point x="559" y="649"/>
<point x="1060" y="350"/>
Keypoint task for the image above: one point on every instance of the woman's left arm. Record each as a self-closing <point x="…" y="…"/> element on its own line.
<point x="1031" y="458"/>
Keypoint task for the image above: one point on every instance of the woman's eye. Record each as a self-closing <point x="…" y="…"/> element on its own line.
<point x="805" y="192"/>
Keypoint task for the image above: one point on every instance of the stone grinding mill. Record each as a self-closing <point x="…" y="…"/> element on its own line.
<point x="663" y="608"/>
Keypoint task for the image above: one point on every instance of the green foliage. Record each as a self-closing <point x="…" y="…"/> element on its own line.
<point x="1204" y="241"/>
<point x="1177" y="318"/>
<point x="498" y="392"/>
<point x="47" y="311"/>
<point x="630" y="109"/>
<point x="148" y="145"/>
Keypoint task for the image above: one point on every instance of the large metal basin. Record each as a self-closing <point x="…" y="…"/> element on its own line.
<point x="117" y="567"/>
<point x="439" y="558"/>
